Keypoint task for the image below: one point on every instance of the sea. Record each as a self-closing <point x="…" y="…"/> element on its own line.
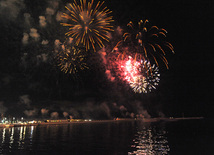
<point x="131" y="137"/>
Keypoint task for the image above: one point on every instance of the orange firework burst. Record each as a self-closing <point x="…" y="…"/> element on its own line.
<point x="150" y="41"/>
<point x="88" y="25"/>
<point x="71" y="58"/>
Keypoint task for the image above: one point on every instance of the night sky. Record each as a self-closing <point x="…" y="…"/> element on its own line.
<point x="30" y="80"/>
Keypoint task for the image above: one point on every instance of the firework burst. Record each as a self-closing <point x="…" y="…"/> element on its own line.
<point x="129" y="69"/>
<point x="154" y="78"/>
<point x="88" y="24"/>
<point x="71" y="58"/>
<point x="149" y="41"/>
<point x="144" y="82"/>
<point x="139" y="74"/>
<point x="139" y="84"/>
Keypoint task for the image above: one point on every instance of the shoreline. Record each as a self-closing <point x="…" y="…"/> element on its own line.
<point x="78" y="121"/>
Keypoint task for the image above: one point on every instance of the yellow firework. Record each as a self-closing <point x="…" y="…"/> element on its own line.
<point x="71" y="59"/>
<point x="150" y="41"/>
<point x="88" y="24"/>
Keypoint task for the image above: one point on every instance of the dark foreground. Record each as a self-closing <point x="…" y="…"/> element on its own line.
<point x="186" y="137"/>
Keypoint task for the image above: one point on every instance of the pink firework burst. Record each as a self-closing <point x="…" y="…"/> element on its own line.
<point x="130" y="69"/>
<point x="139" y="74"/>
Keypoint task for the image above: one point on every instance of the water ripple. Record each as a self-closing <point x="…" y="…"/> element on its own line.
<point x="150" y="140"/>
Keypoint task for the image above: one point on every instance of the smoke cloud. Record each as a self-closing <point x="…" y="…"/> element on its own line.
<point x="25" y="38"/>
<point x="65" y="114"/>
<point x="27" y="18"/>
<point x="54" y="4"/>
<point x="59" y="16"/>
<point x="119" y="30"/>
<point x="44" y="111"/>
<point x="105" y="108"/>
<point x="30" y="113"/>
<point x="49" y="13"/>
<point x="103" y="57"/>
<point x="10" y="9"/>
<point x="24" y="99"/>
<point x="34" y="34"/>
<point x="54" y="115"/>
<point x="3" y="109"/>
<point x="109" y="75"/>
<point x="161" y="114"/>
<point x="57" y="43"/>
<point x="45" y="42"/>
<point x="141" y="112"/>
<point x="74" y="113"/>
<point x="42" y="21"/>
<point x="6" y="79"/>
<point x="41" y="58"/>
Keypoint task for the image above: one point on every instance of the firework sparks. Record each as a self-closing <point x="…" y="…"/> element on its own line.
<point x="145" y="82"/>
<point x="71" y="58"/>
<point x="129" y="69"/>
<point x="149" y="41"/>
<point x="153" y="79"/>
<point x="87" y="24"/>
<point x="139" y="85"/>
<point x="141" y="76"/>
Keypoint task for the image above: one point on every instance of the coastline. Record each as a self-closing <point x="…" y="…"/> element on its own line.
<point x="78" y="121"/>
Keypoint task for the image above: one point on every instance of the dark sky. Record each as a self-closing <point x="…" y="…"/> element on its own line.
<point x="184" y="89"/>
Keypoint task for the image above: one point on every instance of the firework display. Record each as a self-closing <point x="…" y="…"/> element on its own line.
<point x="149" y="41"/>
<point x="131" y="59"/>
<point x="71" y="58"/>
<point x="139" y="74"/>
<point x="88" y="24"/>
<point x="146" y="82"/>
<point x="153" y="79"/>
<point x="139" y="84"/>
<point x="129" y="69"/>
<point x="136" y="73"/>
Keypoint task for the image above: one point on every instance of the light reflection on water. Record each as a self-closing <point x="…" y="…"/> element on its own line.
<point x="108" y="138"/>
<point x="150" y="140"/>
<point x="14" y="138"/>
<point x="11" y="137"/>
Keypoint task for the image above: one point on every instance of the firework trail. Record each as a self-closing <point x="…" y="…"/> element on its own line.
<point x="71" y="58"/>
<point x="148" y="41"/>
<point x="88" y="24"/>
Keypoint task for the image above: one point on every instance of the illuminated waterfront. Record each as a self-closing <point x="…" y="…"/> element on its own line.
<point x="113" y="137"/>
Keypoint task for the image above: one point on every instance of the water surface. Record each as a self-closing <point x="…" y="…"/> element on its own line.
<point x="111" y="138"/>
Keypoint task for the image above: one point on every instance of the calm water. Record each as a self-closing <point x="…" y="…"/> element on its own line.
<point x="113" y="138"/>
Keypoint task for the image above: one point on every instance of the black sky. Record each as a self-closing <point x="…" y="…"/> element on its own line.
<point x="185" y="89"/>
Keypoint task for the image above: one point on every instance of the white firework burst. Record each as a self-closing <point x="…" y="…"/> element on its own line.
<point x="147" y="80"/>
